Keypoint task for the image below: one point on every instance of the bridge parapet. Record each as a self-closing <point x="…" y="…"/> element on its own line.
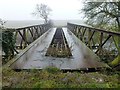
<point x="104" y="43"/>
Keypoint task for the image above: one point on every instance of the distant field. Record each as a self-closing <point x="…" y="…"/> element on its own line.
<point x="24" y="23"/>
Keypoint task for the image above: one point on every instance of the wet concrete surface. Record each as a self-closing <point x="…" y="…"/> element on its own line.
<point x="82" y="56"/>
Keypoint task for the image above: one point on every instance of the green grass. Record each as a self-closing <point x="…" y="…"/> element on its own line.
<point x="52" y="69"/>
<point x="52" y="77"/>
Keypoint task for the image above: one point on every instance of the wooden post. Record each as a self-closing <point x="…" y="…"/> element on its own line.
<point x="100" y="43"/>
<point x="88" y="39"/>
<point x="31" y="34"/>
<point x="25" y="38"/>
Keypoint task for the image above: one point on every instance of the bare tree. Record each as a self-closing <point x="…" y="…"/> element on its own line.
<point x="51" y="22"/>
<point x="42" y="11"/>
<point x="102" y="14"/>
<point x="2" y="23"/>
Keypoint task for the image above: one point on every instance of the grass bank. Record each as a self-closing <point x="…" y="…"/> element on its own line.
<point x="54" y="78"/>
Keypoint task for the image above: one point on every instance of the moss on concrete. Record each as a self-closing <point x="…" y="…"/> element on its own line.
<point x="116" y="61"/>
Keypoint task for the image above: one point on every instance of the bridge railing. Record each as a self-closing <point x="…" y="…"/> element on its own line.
<point x="26" y="35"/>
<point x="103" y="43"/>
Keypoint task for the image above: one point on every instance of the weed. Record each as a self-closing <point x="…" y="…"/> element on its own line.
<point x="51" y="69"/>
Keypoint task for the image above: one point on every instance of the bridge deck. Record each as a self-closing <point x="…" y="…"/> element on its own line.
<point x="82" y="56"/>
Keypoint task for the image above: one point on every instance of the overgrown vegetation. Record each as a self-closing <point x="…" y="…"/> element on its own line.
<point x="52" y="77"/>
<point x="8" y="45"/>
<point x="103" y="14"/>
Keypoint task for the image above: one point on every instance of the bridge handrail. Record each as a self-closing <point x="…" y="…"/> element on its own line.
<point x="25" y="35"/>
<point x="21" y="28"/>
<point x="95" y="29"/>
<point x="31" y="26"/>
<point x="99" y="40"/>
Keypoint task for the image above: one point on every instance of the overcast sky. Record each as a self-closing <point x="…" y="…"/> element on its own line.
<point x="22" y="9"/>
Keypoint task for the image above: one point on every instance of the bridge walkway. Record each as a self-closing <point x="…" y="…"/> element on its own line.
<point x="34" y="55"/>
